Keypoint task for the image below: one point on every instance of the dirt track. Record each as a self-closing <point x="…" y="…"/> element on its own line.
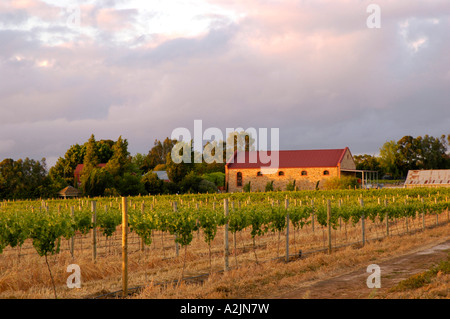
<point x="353" y="285"/>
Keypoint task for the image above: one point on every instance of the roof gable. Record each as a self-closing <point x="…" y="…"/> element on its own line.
<point x="289" y="159"/>
<point x="69" y="191"/>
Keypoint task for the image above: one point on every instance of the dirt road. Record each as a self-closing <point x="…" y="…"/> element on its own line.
<point x="353" y="285"/>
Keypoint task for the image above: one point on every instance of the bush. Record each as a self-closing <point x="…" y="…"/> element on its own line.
<point x="190" y="183"/>
<point x="130" y="185"/>
<point x="153" y="185"/>
<point x="170" y="188"/>
<point x="218" y="178"/>
<point x="269" y="186"/>
<point x="206" y="186"/>
<point x="247" y="187"/>
<point x="111" y="192"/>
<point x="291" y="186"/>
<point x="340" y="183"/>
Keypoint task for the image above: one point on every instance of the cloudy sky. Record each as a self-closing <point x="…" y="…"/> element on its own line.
<point x="139" y="69"/>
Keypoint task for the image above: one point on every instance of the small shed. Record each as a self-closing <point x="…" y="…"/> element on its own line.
<point x="69" y="191"/>
<point x="428" y="178"/>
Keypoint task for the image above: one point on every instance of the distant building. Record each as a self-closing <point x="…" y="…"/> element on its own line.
<point x="307" y="167"/>
<point x="69" y="191"/>
<point x="162" y="175"/>
<point x="428" y="178"/>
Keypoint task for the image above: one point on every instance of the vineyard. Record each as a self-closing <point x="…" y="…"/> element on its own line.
<point x="188" y="237"/>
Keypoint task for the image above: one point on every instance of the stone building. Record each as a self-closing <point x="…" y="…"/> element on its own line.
<point x="308" y="168"/>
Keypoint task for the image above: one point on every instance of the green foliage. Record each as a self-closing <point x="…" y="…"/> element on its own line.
<point x="158" y="154"/>
<point x="343" y="182"/>
<point x="95" y="181"/>
<point x="218" y="178"/>
<point x="143" y="224"/>
<point x="91" y="159"/>
<point x="153" y="185"/>
<point x="119" y="162"/>
<point x="130" y="185"/>
<point x="24" y="179"/>
<point x="206" y="186"/>
<point x="247" y="187"/>
<point x="269" y="186"/>
<point x="48" y="230"/>
<point x="177" y="171"/>
<point x="291" y="186"/>
<point x="108" y="220"/>
<point x="190" y="183"/>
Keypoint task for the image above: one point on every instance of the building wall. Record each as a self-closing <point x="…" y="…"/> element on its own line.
<point x="258" y="183"/>
<point x="347" y="161"/>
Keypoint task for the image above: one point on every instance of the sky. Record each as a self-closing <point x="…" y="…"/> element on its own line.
<point x="317" y="70"/>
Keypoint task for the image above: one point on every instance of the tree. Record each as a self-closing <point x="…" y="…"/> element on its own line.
<point x="153" y="185"/>
<point x="130" y="184"/>
<point x="23" y="179"/>
<point x="367" y="162"/>
<point x="90" y="159"/>
<point x="158" y="154"/>
<point x="138" y="162"/>
<point x="119" y="162"/>
<point x="190" y="183"/>
<point x="421" y="153"/>
<point x="388" y="158"/>
<point x="95" y="181"/>
<point x="65" y="166"/>
<point x="176" y="171"/>
<point x="409" y="150"/>
<point x="432" y="152"/>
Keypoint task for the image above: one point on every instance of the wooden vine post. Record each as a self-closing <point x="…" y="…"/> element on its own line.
<point x="362" y="224"/>
<point x="142" y="240"/>
<point x="423" y="215"/>
<point x="437" y="214"/>
<point x="226" y="248"/>
<point x="329" y="224"/>
<point x="177" y="247"/>
<point x="124" y="247"/>
<point x="94" y="230"/>
<point x="287" y="229"/>
<point x="72" y="240"/>
<point x="387" y="218"/>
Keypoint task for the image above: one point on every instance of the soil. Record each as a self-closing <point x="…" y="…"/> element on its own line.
<point x="353" y="285"/>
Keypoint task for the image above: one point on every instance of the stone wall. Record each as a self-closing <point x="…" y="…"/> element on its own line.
<point x="302" y="182"/>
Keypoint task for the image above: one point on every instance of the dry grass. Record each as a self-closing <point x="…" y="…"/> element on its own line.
<point x="273" y="279"/>
<point x="431" y="284"/>
<point x="28" y="276"/>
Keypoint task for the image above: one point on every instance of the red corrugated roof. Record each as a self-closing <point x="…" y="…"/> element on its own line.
<point x="297" y="158"/>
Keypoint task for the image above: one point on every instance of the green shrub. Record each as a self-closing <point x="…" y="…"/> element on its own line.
<point x="269" y="186"/>
<point x="291" y="186"/>
<point x="340" y="183"/>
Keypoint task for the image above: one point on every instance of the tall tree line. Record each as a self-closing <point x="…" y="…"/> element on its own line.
<point x="396" y="158"/>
